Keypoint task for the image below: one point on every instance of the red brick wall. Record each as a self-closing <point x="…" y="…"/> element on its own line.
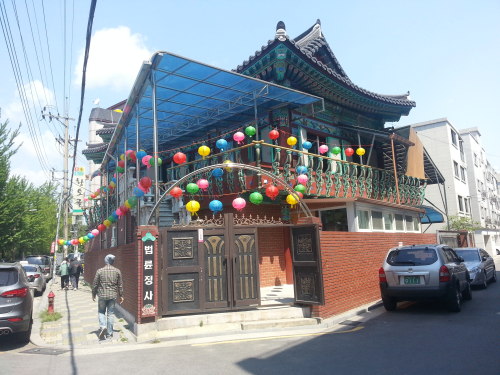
<point x="272" y="242"/>
<point x="350" y="262"/>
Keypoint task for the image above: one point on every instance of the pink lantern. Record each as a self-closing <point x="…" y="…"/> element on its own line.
<point x="239" y="203"/>
<point x="95" y="232"/>
<point x="119" y="212"/>
<point x="202" y="184"/>
<point x="239" y="137"/>
<point x="323" y="149"/>
<point x="145" y="160"/>
<point x="302" y="179"/>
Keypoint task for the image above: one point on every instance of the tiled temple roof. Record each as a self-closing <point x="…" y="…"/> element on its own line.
<point x="313" y="47"/>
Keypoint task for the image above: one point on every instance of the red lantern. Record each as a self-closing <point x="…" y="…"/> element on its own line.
<point x="176" y="192"/>
<point x="349" y="151"/>
<point x="124" y="209"/>
<point x="121" y="163"/>
<point x="274" y="134"/>
<point x="272" y="191"/>
<point x="101" y="227"/>
<point x="179" y="158"/>
<point x="146" y="182"/>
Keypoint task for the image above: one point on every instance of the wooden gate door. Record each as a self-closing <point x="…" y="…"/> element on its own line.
<point x="209" y="269"/>
<point x="306" y="256"/>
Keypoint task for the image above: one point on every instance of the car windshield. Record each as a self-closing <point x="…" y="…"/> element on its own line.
<point x="412" y="257"/>
<point x="469" y="255"/>
<point x="30" y="268"/>
<point x="35" y="260"/>
<point x="8" y="277"/>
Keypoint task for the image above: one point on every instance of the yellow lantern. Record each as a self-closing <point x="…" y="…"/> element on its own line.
<point x="193" y="207"/>
<point x="291" y="200"/>
<point x="204" y="151"/>
<point x="360" y="151"/>
<point x="228" y="169"/>
<point x="292" y="141"/>
<point x="107" y="223"/>
<point x="81" y="240"/>
<point x="122" y="157"/>
<point x="61" y="242"/>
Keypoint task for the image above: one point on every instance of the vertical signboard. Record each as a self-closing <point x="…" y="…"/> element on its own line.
<point x="78" y="190"/>
<point x="148" y="307"/>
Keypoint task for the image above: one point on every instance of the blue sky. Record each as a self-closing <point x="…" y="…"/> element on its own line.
<point x="444" y="52"/>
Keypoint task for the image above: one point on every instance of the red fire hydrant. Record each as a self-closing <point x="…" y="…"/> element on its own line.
<point x="51" y="296"/>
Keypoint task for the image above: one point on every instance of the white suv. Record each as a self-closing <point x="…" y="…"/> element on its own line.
<point x="424" y="272"/>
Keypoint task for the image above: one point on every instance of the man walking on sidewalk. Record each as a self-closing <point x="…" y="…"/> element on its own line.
<point x="108" y="286"/>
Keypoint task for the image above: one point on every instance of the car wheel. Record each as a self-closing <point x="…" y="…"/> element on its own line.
<point x="454" y="299"/>
<point x="24" y="337"/>
<point x="484" y="285"/>
<point x="390" y="303"/>
<point x="467" y="293"/>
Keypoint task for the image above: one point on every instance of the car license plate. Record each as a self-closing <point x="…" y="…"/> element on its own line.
<point x="411" y="280"/>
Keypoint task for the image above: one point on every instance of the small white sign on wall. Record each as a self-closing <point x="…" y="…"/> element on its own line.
<point x="200" y="235"/>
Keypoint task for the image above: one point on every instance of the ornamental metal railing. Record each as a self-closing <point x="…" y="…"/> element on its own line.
<point x="327" y="177"/>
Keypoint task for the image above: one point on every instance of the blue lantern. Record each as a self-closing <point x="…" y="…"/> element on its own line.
<point x="140" y="154"/>
<point x="221" y="144"/>
<point x="90" y="235"/>
<point x="217" y="173"/>
<point x="138" y="192"/>
<point x="301" y="169"/>
<point x="114" y="179"/>
<point x="215" y="206"/>
<point x="307" y="145"/>
<point x="68" y="243"/>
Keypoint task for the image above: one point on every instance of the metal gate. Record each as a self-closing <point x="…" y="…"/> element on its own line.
<point x="209" y="268"/>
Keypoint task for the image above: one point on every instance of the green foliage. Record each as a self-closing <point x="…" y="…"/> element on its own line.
<point x="463" y="223"/>
<point x="46" y="317"/>
<point x="27" y="213"/>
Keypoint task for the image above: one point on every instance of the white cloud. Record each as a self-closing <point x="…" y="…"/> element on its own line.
<point x="115" y="58"/>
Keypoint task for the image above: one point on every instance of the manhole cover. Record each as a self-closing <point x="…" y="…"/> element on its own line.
<point x="46" y="351"/>
<point x="350" y="323"/>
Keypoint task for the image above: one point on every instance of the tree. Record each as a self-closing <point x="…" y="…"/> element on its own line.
<point x="463" y="223"/>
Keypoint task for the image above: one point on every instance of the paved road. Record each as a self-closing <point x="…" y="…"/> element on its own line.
<point x="421" y="338"/>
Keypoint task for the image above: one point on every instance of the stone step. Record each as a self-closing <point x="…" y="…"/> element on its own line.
<point x="279" y="323"/>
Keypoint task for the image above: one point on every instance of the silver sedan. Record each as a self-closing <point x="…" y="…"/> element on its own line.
<point x="35" y="277"/>
<point x="480" y="265"/>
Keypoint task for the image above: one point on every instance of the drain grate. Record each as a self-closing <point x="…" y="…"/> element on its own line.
<point x="46" y="351"/>
<point x="351" y="323"/>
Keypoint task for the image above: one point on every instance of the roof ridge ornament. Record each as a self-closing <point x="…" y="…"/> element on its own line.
<point x="281" y="31"/>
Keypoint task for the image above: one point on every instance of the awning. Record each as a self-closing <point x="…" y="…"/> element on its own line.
<point x="192" y="98"/>
<point x="431" y="216"/>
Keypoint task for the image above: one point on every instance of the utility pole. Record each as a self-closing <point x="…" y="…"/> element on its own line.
<point x="65" y="121"/>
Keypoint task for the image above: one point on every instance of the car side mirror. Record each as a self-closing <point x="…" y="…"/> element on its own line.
<point x="461" y="260"/>
<point x="483" y="258"/>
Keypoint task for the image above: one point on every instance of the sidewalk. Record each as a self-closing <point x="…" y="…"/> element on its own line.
<point x="79" y="323"/>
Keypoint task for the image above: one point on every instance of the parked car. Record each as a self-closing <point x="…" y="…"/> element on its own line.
<point x="35" y="278"/>
<point x="424" y="272"/>
<point x="16" y="302"/>
<point x="44" y="261"/>
<point x="480" y="265"/>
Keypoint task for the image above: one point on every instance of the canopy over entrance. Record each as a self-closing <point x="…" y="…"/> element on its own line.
<point x="186" y="98"/>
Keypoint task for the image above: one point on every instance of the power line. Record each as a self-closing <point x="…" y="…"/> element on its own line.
<point x="50" y="59"/>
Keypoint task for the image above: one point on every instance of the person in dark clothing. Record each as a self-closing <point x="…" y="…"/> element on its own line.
<point x="64" y="269"/>
<point x="75" y="269"/>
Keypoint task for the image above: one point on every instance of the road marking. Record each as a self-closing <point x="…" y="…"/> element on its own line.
<point x="279" y="337"/>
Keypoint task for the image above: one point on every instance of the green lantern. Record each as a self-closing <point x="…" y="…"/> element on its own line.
<point x="192" y="188"/>
<point x="256" y="197"/>
<point x="250" y="131"/>
<point x="132" y="201"/>
<point x="336" y="150"/>
<point x="300" y="188"/>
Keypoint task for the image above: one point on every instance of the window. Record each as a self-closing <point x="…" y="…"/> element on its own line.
<point x="462" y="155"/>
<point x="462" y="173"/>
<point x="334" y="220"/>
<point x="454" y="138"/>
<point x="388" y="221"/>
<point x="455" y="169"/>
<point x="363" y="219"/>
<point x="399" y="222"/>
<point x="475" y="159"/>
<point x="409" y="223"/>
<point x="416" y="225"/>
<point x="460" y="204"/>
<point x="377" y="220"/>
<point x="467" y="205"/>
